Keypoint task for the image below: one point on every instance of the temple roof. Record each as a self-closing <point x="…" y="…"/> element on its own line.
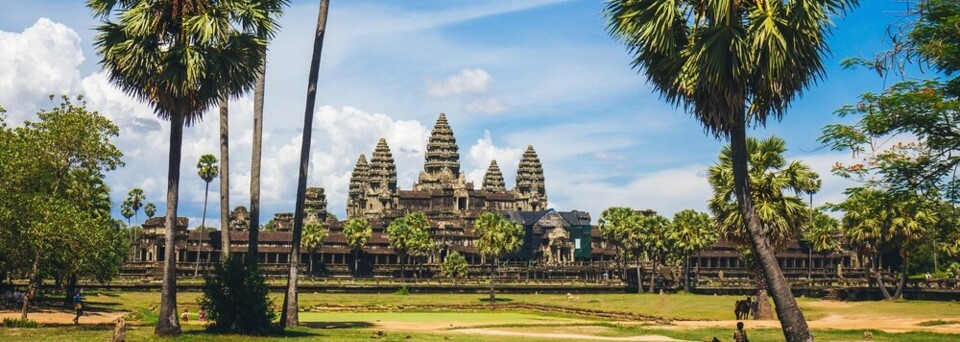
<point x="359" y="178"/>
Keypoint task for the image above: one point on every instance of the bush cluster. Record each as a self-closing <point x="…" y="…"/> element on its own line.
<point x="236" y="299"/>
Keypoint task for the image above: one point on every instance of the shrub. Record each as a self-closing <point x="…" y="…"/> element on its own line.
<point x="20" y="323"/>
<point x="454" y="265"/>
<point x="403" y="291"/>
<point x="235" y="297"/>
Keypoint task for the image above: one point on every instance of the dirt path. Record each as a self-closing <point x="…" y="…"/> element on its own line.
<point x="887" y="324"/>
<point x="48" y="316"/>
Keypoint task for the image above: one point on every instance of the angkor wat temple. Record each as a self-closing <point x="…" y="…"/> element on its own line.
<point x="557" y="244"/>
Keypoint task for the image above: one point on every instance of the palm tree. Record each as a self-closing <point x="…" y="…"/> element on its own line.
<point x="181" y="57"/>
<point x="207" y="170"/>
<point x="150" y="209"/>
<point x="126" y="209"/>
<point x="265" y="33"/>
<point x="136" y="198"/>
<point x="224" y="180"/>
<point x="782" y="216"/>
<point x="613" y="222"/>
<point x="730" y="63"/>
<point x="289" y="317"/>
<point x="357" y="232"/>
<point x="408" y="235"/>
<point x="497" y="237"/>
<point x="314" y="231"/>
<point x="823" y="235"/>
<point x="692" y="232"/>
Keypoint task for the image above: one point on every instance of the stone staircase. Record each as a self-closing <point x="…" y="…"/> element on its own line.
<point x="831" y="293"/>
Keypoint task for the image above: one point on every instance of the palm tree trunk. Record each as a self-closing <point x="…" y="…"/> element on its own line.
<point x="31" y="286"/>
<point x="289" y="318"/>
<point x="493" y="270"/>
<point x="686" y="272"/>
<point x="257" y="148"/>
<point x="903" y="280"/>
<point x="168" y="323"/>
<point x="224" y="181"/>
<point x="791" y="318"/>
<point x="639" y="283"/>
<point x="203" y="224"/>
<point x="402" y="264"/>
<point x="879" y="277"/>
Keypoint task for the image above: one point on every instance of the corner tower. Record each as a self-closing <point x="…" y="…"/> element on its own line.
<point x="493" y="179"/>
<point x="358" y="187"/>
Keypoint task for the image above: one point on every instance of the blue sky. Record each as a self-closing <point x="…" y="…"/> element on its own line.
<point x="507" y="73"/>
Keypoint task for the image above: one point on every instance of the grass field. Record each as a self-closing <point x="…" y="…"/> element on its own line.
<point x="399" y="317"/>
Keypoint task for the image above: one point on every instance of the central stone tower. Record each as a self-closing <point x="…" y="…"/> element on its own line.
<point x="442" y="165"/>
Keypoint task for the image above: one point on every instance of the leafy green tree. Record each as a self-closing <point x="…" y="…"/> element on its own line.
<point x="54" y="204"/>
<point x="876" y="221"/>
<point x="150" y="209"/>
<point x="408" y="236"/>
<point x="207" y="169"/>
<point x="497" y="237"/>
<point x="731" y="64"/>
<point x="181" y="57"/>
<point x="631" y="230"/>
<point x="357" y="232"/>
<point x="289" y="317"/>
<point x="454" y="265"/>
<point x="313" y="234"/>
<point x="692" y="232"/>
<point x="783" y="216"/>
<point x="657" y="242"/>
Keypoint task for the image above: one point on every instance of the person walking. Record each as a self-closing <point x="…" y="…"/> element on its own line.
<point x="78" y="306"/>
<point x="740" y="335"/>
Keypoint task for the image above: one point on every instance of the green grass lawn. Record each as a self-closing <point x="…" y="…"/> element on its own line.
<point x="359" y="326"/>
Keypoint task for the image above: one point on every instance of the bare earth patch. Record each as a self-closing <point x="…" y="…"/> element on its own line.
<point x="887" y="324"/>
<point x="49" y="316"/>
<point x="582" y="337"/>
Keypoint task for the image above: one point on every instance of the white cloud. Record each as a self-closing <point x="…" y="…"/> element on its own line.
<point x="604" y="155"/>
<point x="483" y="151"/>
<point x="467" y="81"/>
<point x="40" y="61"/>
<point x="488" y="106"/>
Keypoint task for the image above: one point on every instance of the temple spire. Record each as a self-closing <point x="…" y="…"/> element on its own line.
<point x="383" y="170"/>
<point x="442" y="151"/>
<point x="493" y="179"/>
<point x="530" y="187"/>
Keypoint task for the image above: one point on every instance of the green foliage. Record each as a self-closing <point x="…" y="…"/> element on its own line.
<point x="727" y="61"/>
<point x="135" y="200"/>
<point x="207" y="168"/>
<point x="20" y="323"/>
<point x="772" y="180"/>
<point x="357" y="232"/>
<point x="150" y="209"/>
<point x="496" y="236"/>
<point x="936" y="37"/>
<point x="313" y="235"/>
<point x="692" y="231"/>
<point x="409" y="235"/>
<point x="236" y="298"/>
<point x="824" y="233"/>
<point x="54" y="203"/>
<point x="402" y="291"/>
<point x="454" y="265"/>
<point x="876" y="221"/>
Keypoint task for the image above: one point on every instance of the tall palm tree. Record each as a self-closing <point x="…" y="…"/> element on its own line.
<point x="224" y="179"/>
<point x="150" y="209"/>
<point x="497" y="237"/>
<point x="126" y="209"/>
<point x="730" y="63"/>
<point x="136" y="198"/>
<point x="207" y="170"/>
<point x="181" y="57"/>
<point x="289" y="317"/>
<point x="692" y="232"/>
<point x="823" y="235"/>
<point x="357" y="232"/>
<point x="265" y="33"/>
<point x="314" y="231"/>
<point x="782" y="216"/>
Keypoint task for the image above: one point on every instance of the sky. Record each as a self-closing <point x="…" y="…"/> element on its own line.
<point x="507" y="74"/>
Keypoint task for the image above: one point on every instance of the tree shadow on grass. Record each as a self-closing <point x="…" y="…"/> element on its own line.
<point x="337" y="325"/>
<point x="286" y="333"/>
<point x="498" y="300"/>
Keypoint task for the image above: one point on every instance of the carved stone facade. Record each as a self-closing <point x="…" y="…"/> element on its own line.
<point x="441" y="190"/>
